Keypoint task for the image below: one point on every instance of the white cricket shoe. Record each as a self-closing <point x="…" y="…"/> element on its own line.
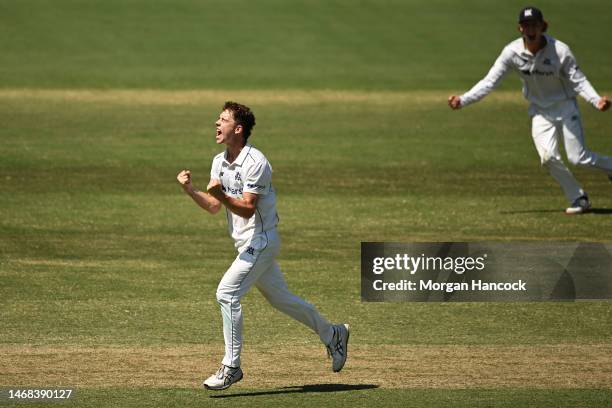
<point x="338" y="348"/>
<point x="580" y="205"/>
<point x="223" y="378"/>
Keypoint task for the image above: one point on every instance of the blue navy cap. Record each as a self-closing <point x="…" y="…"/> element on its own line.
<point x="530" y="14"/>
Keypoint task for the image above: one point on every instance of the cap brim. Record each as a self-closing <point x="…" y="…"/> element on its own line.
<point x="526" y="20"/>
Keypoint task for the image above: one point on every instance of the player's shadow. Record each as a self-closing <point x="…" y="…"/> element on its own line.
<point x="594" y="211"/>
<point x="298" y="389"/>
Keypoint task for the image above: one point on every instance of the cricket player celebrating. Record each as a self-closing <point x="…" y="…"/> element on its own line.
<point x="241" y="181"/>
<point x="551" y="80"/>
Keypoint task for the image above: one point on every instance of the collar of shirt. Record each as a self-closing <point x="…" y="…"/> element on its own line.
<point x="240" y="159"/>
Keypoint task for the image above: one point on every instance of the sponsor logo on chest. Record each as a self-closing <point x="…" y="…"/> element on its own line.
<point x="530" y="67"/>
<point x="231" y="182"/>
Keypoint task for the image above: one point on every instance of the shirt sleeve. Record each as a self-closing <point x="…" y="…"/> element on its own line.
<point x="495" y="76"/>
<point x="258" y="178"/>
<point x="577" y="80"/>
<point x="215" y="169"/>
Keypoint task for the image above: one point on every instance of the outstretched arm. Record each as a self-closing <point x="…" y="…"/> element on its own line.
<point x="484" y="87"/>
<point x="203" y="199"/>
<point x="579" y="82"/>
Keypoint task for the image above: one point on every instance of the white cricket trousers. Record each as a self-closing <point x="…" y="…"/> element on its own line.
<point x="256" y="265"/>
<point x="563" y="120"/>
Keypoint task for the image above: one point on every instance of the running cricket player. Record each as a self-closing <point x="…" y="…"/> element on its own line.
<point x="551" y="80"/>
<point x="241" y="181"/>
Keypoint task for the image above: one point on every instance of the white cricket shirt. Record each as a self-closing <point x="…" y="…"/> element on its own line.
<point x="250" y="172"/>
<point x="549" y="77"/>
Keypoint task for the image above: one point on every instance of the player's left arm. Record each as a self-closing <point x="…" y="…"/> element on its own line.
<point x="244" y="207"/>
<point x="579" y="82"/>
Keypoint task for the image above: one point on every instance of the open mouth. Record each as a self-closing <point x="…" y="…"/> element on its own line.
<point x="218" y="132"/>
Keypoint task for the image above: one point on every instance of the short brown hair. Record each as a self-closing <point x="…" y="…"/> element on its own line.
<point x="242" y="115"/>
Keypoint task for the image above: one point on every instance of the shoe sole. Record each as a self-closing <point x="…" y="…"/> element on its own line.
<point x="570" y="211"/>
<point x="225" y="387"/>
<point x="345" y="346"/>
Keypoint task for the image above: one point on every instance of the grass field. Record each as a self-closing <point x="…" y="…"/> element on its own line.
<point x="108" y="271"/>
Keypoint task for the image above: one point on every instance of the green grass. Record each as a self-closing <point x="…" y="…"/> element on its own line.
<point x="389" y="44"/>
<point x="322" y="396"/>
<point x="99" y="247"/>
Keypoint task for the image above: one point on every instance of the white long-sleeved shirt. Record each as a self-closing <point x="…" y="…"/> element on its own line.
<point x="549" y="77"/>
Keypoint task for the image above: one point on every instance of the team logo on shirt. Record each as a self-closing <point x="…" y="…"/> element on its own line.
<point x="238" y="178"/>
<point x="250" y="250"/>
<point x="547" y="61"/>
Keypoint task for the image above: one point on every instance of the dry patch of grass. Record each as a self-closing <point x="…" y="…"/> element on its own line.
<point x="399" y="366"/>
<point x="283" y="96"/>
<point x="80" y="264"/>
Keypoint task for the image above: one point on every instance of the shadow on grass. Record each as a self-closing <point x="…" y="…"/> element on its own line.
<point x="303" y="389"/>
<point x="600" y="211"/>
<point x="596" y="211"/>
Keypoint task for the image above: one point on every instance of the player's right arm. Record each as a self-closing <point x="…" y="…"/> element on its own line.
<point x="484" y="87"/>
<point x="201" y="198"/>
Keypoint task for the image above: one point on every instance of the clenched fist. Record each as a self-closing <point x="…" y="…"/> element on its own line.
<point x="454" y="102"/>
<point x="214" y="189"/>
<point x="184" y="179"/>
<point x="603" y="104"/>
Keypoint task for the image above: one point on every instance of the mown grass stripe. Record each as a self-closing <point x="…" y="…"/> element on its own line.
<point x="562" y="366"/>
<point x="283" y="96"/>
